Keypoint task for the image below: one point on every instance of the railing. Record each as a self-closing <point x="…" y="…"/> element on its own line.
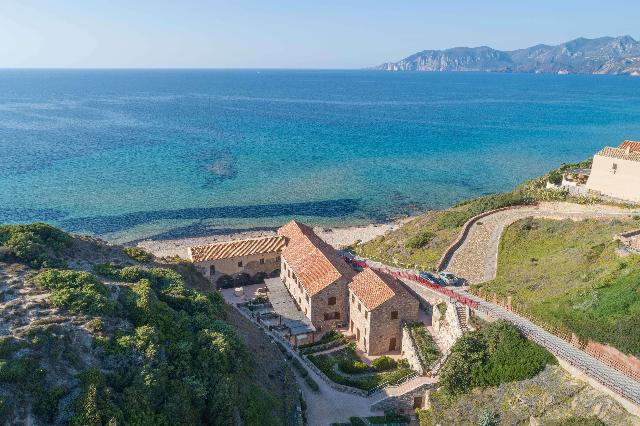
<point x="361" y="263"/>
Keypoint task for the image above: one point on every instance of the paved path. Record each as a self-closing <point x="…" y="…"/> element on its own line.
<point x="477" y="258"/>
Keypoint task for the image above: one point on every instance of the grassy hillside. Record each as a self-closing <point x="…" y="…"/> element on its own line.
<point x="568" y="274"/>
<point x="423" y="240"/>
<point x="94" y="334"/>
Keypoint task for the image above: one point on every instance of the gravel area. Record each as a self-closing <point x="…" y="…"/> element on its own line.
<point x="476" y="260"/>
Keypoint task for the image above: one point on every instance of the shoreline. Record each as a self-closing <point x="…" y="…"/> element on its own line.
<point x="337" y="237"/>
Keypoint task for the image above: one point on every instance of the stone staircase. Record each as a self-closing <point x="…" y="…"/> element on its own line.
<point x="462" y="317"/>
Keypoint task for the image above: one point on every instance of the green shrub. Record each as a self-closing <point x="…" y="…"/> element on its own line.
<point x="420" y="240"/>
<point x="384" y="363"/>
<point x="496" y="354"/>
<point x="577" y="421"/>
<point x="442" y="308"/>
<point x="38" y="245"/>
<point x="428" y="350"/>
<point x="555" y="177"/>
<point x="352" y="367"/>
<point x="138" y="254"/>
<point x="79" y="292"/>
<point x="298" y="365"/>
<point x="311" y="383"/>
<point x="357" y="421"/>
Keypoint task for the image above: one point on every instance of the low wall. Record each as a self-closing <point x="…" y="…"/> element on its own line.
<point x="403" y="403"/>
<point x="410" y="351"/>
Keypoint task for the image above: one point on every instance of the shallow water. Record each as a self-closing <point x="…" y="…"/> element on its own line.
<point x="140" y="153"/>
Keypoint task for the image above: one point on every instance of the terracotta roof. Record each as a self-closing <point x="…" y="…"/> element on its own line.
<point x="618" y="153"/>
<point x="375" y="288"/>
<point x="633" y="146"/>
<point x="237" y="248"/>
<point x="315" y="263"/>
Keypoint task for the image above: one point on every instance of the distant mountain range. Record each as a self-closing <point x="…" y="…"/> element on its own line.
<point x="604" y="55"/>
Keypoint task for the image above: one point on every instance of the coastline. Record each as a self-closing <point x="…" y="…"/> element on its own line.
<point x="335" y="236"/>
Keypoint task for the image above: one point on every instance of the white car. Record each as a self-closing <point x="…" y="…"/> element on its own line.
<point x="449" y="278"/>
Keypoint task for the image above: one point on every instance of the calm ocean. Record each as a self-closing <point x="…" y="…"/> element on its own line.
<point x="169" y="153"/>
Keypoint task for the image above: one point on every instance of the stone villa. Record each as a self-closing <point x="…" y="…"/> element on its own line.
<point x="378" y="305"/>
<point x="320" y="283"/>
<point x="616" y="172"/>
<point x="315" y="275"/>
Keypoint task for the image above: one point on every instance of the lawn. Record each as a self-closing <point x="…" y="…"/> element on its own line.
<point x="367" y="380"/>
<point x="567" y="274"/>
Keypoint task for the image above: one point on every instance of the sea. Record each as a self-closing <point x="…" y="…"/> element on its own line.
<point x="134" y="154"/>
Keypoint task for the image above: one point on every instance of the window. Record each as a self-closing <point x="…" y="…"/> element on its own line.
<point x="614" y="168"/>
<point x="394" y="315"/>
<point x="336" y="315"/>
<point x="307" y="297"/>
<point x="353" y="299"/>
<point x="212" y="270"/>
<point x="240" y="264"/>
<point x="359" y="307"/>
<point x="262" y="261"/>
<point x="278" y="260"/>
<point x="332" y="301"/>
<point x="366" y="314"/>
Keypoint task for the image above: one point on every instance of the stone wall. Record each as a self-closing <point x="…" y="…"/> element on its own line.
<point x="404" y="403"/>
<point x="359" y="320"/>
<point x="447" y="327"/>
<point x="410" y="351"/>
<point x="320" y="306"/>
<point x="384" y="328"/>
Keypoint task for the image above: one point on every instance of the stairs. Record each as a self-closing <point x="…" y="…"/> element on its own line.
<point x="462" y="317"/>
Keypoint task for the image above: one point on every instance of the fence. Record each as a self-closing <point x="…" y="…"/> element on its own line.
<point x="398" y="273"/>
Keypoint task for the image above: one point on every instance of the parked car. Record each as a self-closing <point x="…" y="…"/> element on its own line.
<point x="431" y="277"/>
<point x="450" y="279"/>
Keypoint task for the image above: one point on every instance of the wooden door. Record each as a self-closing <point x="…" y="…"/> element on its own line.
<point x="392" y="344"/>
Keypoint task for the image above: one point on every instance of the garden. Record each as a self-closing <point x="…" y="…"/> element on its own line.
<point x="345" y="367"/>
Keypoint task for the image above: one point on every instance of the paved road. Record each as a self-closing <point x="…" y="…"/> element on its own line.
<point x="477" y="258"/>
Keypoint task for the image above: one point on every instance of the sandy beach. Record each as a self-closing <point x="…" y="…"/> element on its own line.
<point x="337" y="237"/>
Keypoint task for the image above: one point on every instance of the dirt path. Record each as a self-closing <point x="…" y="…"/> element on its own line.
<point x="477" y="258"/>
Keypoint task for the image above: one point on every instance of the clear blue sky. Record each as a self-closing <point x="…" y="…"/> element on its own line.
<point x="286" y="33"/>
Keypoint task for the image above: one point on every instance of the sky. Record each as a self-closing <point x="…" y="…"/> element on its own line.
<point x="286" y="33"/>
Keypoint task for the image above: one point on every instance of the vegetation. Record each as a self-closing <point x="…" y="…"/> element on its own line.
<point x="422" y="241"/>
<point x="577" y="421"/>
<point x="428" y="351"/>
<point x="37" y="245"/>
<point x="364" y="378"/>
<point x="384" y="363"/>
<point x="495" y="354"/>
<point x="138" y="254"/>
<point x="390" y="417"/>
<point x="77" y="292"/>
<point x="567" y="275"/>
<point x="329" y="336"/>
<point x="145" y="351"/>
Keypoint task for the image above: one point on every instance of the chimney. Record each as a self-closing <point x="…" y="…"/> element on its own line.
<point x="628" y="150"/>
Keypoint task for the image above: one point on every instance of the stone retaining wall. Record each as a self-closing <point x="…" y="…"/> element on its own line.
<point x="410" y="351"/>
<point x="403" y="403"/>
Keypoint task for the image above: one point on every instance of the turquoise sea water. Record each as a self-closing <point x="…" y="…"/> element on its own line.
<point x="167" y="153"/>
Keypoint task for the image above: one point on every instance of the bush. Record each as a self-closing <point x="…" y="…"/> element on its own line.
<point x="420" y="240"/>
<point x="353" y="367"/>
<point x="311" y="383"/>
<point x="78" y="292"/>
<point x="298" y="365"/>
<point x="428" y="351"/>
<point x="384" y="363"/>
<point x="138" y="254"/>
<point x="38" y="245"/>
<point x="496" y="354"/>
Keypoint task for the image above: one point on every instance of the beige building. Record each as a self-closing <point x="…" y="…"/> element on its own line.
<point x="315" y="276"/>
<point x="244" y="261"/>
<point x="615" y="172"/>
<point x="378" y="305"/>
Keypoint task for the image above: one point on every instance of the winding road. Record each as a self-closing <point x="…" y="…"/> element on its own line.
<point x="477" y="258"/>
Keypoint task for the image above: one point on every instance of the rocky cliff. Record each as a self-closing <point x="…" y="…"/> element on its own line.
<point x="604" y="55"/>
